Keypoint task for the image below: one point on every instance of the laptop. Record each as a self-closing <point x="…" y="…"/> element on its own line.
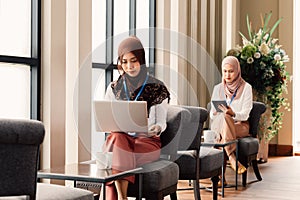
<point x="121" y="116"/>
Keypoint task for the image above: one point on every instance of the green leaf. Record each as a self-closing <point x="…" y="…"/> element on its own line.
<point x="249" y="28"/>
<point x="266" y="21"/>
<point x="242" y="35"/>
<point x="275" y="26"/>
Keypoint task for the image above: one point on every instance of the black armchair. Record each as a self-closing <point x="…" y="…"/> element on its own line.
<point x="197" y="162"/>
<point x="248" y="146"/>
<point x="19" y="151"/>
<point x="160" y="177"/>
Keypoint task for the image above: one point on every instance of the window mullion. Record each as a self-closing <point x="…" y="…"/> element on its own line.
<point x="109" y="39"/>
<point x="132" y="17"/>
<point x="35" y="53"/>
<point x="152" y="25"/>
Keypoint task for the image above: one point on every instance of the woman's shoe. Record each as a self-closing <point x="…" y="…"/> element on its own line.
<point x="220" y="183"/>
<point x="241" y="168"/>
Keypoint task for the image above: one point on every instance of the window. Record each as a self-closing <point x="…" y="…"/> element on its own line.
<point x="19" y="58"/>
<point x="113" y="20"/>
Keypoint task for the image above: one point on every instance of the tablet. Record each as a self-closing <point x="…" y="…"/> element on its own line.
<point x="216" y="103"/>
<point x="121" y="116"/>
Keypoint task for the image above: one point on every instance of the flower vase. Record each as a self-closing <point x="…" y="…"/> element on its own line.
<point x="263" y="131"/>
<point x="263" y="151"/>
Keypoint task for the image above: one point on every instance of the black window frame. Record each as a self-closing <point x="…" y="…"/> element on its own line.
<point x="109" y="66"/>
<point x="34" y="61"/>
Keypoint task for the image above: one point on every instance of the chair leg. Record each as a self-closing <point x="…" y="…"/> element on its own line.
<point x="196" y="186"/>
<point x="256" y="170"/>
<point x="244" y="178"/>
<point x="215" y="181"/>
<point x="173" y="196"/>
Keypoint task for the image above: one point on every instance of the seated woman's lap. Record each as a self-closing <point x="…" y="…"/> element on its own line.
<point x="130" y="152"/>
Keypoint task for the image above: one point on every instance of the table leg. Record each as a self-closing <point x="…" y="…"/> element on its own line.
<point x="140" y="186"/>
<point x="223" y="170"/>
<point x="236" y="167"/>
<point x="103" y="191"/>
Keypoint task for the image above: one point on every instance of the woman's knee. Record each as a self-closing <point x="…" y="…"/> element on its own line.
<point x="115" y="136"/>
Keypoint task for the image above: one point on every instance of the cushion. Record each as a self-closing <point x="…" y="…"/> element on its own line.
<point x="186" y="161"/>
<point x="210" y="161"/>
<point x="56" y="192"/>
<point x="158" y="175"/>
<point x="248" y="146"/>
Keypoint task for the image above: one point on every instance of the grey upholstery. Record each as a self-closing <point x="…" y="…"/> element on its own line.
<point x="57" y="192"/>
<point x="19" y="152"/>
<point x="160" y="178"/>
<point x="209" y="161"/>
<point x="248" y="146"/>
<point x="197" y="162"/>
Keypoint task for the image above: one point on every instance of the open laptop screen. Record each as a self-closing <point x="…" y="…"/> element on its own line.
<point x="121" y="116"/>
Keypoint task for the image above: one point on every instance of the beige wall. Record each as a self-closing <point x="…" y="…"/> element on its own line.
<point x="189" y="50"/>
<point x="284" y="33"/>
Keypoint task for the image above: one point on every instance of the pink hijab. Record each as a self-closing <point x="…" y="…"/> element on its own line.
<point x="238" y="84"/>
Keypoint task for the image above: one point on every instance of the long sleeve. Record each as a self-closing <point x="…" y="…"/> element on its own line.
<point x="109" y="95"/>
<point x="241" y="106"/>
<point x="158" y="115"/>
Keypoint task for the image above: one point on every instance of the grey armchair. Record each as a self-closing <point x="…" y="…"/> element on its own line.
<point x="160" y="178"/>
<point x="248" y="146"/>
<point x="19" y="152"/>
<point x="197" y="162"/>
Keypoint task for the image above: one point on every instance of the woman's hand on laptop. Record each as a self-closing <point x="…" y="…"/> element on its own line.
<point x="154" y="130"/>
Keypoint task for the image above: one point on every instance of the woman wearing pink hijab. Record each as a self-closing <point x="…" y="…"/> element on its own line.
<point x="231" y="122"/>
<point x="131" y="150"/>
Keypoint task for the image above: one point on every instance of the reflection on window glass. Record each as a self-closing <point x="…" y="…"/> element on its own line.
<point x="99" y="30"/>
<point x="121" y="16"/>
<point x="120" y="24"/>
<point x="98" y="83"/>
<point x="15" y="23"/>
<point x="142" y="24"/>
<point x="15" y="91"/>
<point x="142" y="14"/>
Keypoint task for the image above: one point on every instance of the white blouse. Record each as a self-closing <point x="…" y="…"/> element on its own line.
<point x="157" y="113"/>
<point x="241" y="106"/>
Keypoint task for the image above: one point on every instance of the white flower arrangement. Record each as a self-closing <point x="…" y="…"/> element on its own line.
<point x="262" y="62"/>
